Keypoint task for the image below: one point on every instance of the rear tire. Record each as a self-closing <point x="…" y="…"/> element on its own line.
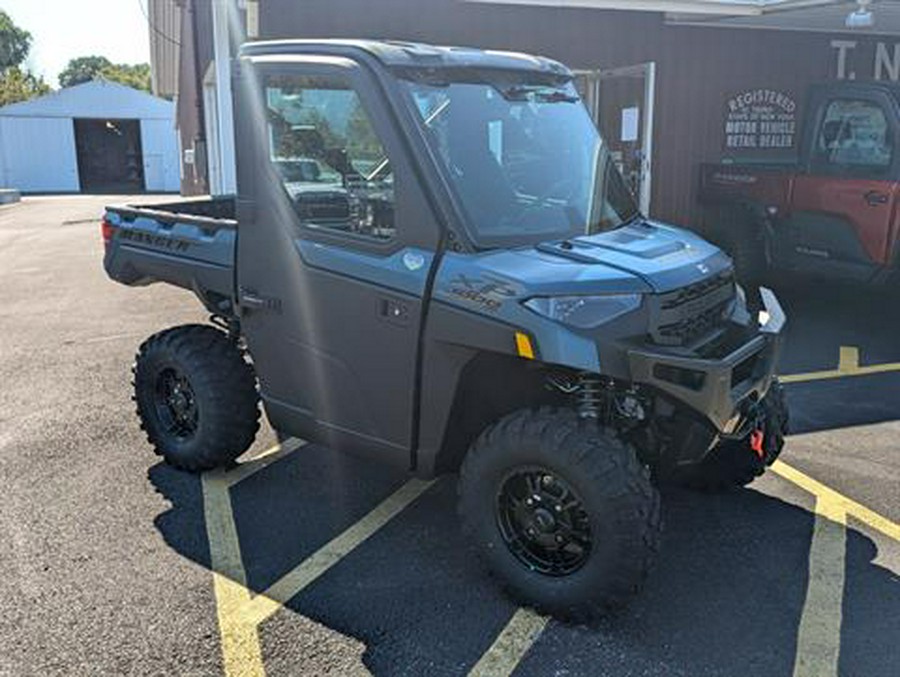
<point x="733" y="463"/>
<point x="196" y="397"/>
<point x="586" y="542"/>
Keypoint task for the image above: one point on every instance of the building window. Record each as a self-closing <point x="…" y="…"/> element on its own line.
<point x="331" y="162"/>
<point x="855" y="133"/>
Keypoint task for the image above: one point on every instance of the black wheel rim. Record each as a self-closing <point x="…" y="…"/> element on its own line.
<point x="543" y="521"/>
<point x="176" y="405"/>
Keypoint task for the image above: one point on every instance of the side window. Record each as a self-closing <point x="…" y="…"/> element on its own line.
<point x="331" y="163"/>
<point x="855" y="133"/>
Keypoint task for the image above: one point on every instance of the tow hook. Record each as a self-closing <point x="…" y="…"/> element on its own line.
<point x="757" y="437"/>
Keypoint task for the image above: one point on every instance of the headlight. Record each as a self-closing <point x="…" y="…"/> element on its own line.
<point x="584" y="312"/>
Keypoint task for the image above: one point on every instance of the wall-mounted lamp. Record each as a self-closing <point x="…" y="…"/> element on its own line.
<point x="862" y="17"/>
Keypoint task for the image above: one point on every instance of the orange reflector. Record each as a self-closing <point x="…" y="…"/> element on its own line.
<point x="523" y="343"/>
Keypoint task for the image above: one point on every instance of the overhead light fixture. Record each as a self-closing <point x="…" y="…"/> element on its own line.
<point x="862" y="17"/>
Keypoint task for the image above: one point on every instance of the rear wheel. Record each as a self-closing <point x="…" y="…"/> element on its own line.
<point x="735" y="463"/>
<point x="561" y="511"/>
<point x="196" y="397"/>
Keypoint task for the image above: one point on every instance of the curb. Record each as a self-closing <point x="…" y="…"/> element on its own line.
<point x="9" y="195"/>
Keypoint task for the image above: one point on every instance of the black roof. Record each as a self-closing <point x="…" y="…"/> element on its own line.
<point x="412" y="54"/>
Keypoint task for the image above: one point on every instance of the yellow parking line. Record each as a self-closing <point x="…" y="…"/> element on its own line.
<point x="241" y="653"/>
<point x="819" y="631"/>
<point x="511" y="645"/>
<point x="834" y="499"/>
<point x="258" y="609"/>
<point x="259" y="462"/>
<point x="848" y="365"/>
<point x="239" y="612"/>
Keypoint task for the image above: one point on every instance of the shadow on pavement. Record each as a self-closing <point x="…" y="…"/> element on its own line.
<point x="844" y="403"/>
<point x="726" y="597"/>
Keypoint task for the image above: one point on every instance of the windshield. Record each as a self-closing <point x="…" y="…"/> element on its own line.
<point x="526" y="161"/>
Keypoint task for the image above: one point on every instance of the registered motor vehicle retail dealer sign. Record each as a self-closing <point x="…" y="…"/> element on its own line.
<point x="760" y="119"/>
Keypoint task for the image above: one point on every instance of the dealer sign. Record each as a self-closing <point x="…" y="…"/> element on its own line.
<point x="760" y="119"/>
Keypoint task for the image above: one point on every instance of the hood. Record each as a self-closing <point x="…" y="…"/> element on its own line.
<point x="645" y="257"/>
<point x="662" y="256"/>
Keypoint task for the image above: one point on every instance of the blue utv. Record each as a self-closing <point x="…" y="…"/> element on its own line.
<point x="432" y="259"/>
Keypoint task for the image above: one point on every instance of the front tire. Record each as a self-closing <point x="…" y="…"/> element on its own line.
<point x="733" y="463"/>
<point x="196" y="397"/>
<point x="561" y="511"/>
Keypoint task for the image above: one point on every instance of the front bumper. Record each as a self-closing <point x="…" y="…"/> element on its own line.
<point x="721" y="388"/>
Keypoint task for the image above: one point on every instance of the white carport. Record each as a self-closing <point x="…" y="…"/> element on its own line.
<point x="41" y="150"/>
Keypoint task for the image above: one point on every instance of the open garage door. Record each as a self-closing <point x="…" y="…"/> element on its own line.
<point x="110" y="158"/>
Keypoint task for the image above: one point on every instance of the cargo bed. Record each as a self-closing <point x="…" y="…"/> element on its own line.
<point x="188" y="243"/>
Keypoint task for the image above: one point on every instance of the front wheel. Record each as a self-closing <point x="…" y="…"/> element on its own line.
<point x="736" y="463"/>
<point x="561" y="511"/>
<point x="196" y="397"/>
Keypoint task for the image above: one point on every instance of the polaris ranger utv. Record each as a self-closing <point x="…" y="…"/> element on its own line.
<point x="433" y="260"/>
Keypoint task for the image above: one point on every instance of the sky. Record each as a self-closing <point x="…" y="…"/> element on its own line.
<point x="65" y="29"/>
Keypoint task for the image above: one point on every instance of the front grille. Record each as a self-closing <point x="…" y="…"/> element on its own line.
<point x="686" y="315"/>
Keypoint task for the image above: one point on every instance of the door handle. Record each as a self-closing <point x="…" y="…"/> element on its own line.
<point x="250" y="300"/>
<point x="874" y="198"/>
<point x="394" y="311"/>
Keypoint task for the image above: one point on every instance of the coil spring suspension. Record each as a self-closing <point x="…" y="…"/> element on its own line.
<point x="590" y="396"/>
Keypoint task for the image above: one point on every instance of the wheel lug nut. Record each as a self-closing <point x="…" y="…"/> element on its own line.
<point x="547" y="480"/>
<point x="528" y="501"/>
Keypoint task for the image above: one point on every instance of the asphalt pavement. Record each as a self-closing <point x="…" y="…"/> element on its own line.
<point x="306" y="562"/>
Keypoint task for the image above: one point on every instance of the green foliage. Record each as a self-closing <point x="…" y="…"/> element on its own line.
<point x="88" y="68"/>
<point x="14" y="42"/>
<point x="17" y="85"/>
<point x="136" y="76"/>
<point x="83" y="69"/>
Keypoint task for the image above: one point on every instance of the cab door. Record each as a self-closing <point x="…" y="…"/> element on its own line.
<point x="335" y="247"/>
<point x="843" y="208"/>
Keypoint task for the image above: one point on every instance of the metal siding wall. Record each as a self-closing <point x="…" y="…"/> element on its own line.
<point x="165" y="36"/>
<point x="39" y="154"/>
<point x="161" y="161"/>
<point x="698" y="68"/>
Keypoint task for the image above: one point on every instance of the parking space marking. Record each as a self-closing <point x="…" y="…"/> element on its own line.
<point x="837" y="501"/>
<point x="238" y="610"/>
<point x="511" y="645"/>
<point x="241" y="653"/>
<point x="819" y="630"/>
<point x="280" y="593"/>
<point x="848" y="365"/>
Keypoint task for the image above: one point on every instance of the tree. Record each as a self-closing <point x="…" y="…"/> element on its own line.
<point x="88" y="68"/>
<point x="20" y="85"/>
<point x="16" y="83"/>
<point x="14" y="42"/>
<point x="136" y="76"/>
